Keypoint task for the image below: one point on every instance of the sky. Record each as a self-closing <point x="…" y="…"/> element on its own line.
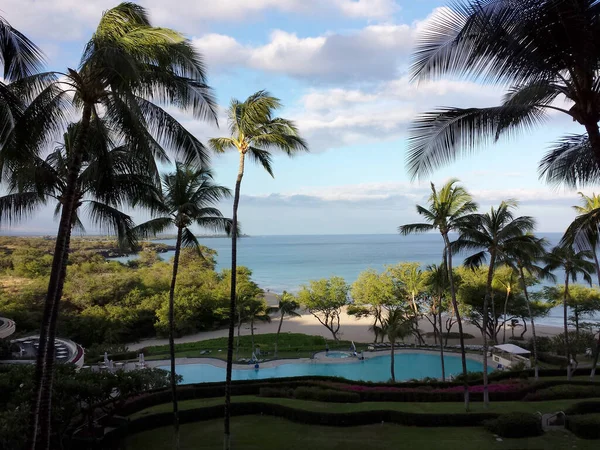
<point x="340" y="68"/>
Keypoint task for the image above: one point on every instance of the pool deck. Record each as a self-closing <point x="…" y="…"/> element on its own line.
<point x="319" y="358"/>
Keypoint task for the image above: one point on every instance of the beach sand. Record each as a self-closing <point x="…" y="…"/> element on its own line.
<point x="351" y="329"/>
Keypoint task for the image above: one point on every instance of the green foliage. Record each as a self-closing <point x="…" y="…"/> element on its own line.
<point x="73" y="392"/>
<point x="276" y="392"/>
<point x="324" y="299"/>
<point x="578" y="342"/>
<point x="516" y="425"/>
<point x="31" y="263"/>
<point x="562" y="392"/>
<point x="107" y="304"/>
<point x="325" y="395"/>
<point x="584" y="426"/>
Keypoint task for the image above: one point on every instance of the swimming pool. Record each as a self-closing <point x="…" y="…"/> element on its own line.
<point x="337" y="355"/>
<point x="407" y="366"/>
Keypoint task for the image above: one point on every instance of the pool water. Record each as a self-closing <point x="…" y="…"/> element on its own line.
<point x="337" y="355"/>
<point x="407" y="366"/>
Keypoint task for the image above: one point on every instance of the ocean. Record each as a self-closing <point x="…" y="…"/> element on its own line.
<point x="281" y="263"/>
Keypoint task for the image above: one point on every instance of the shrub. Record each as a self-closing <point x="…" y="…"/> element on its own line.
<point x="584" y="426"/>
<point x="563" y="392"/>
<point x="556" y="360"/>
<point x="515" y="425"/>
<point x="275" y="392"/>
<point x="584" y="408"/>
<point x="325" y="395"/>
<point x="578" y="344"/>
<point x="471" y="376"/>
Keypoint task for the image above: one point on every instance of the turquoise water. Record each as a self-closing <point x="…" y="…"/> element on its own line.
<point x="407" y="366"/>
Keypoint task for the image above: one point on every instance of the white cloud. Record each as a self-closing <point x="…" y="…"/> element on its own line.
<point x="66" y="20"/>
<point x="373" y="53"/>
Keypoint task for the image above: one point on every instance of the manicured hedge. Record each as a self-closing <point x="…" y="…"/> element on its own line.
<point x="588" y="407"/>
<point x="584" y="426"/>
<point x="516" y="425"/>
<point x="276" y="392"/>
<point x="325" y="395"/>
<point x="313" y="417"/>
<point x="563" y="392"/>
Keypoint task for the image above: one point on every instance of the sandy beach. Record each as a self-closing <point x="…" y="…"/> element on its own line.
<point x="351" y="328"/>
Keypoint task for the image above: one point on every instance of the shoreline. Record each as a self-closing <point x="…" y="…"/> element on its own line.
<point x="351" y="329"/>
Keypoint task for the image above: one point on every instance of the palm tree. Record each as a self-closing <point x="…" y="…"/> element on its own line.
<point x="126" y="67"/>
<point x="447" y="211"/>
<point x="584" y="233"/>
<point x="540" y="48"/>
<point x="257" y="310"/>
<point x="287" y="307"/>
<point x="524" y="259"/>
<point x="494" y="233"/>
<point x="507" y="279"/>
<point x="109" y="179"/>
<point x="573" y="263"/>
<point x="188" y="198"/>
<point x="396" y="326"/>
<point x="20" y="62"/>
<point x="255" y="132"/>
<point x="437" y="283"/>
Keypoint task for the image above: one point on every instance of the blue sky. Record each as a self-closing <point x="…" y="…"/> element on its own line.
<point x="340" y="69"/>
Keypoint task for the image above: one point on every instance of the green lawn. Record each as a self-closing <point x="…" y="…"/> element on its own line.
<point x="291" y="345"/>
<point x="417" y="407"/>
<point x="270" y="433"/>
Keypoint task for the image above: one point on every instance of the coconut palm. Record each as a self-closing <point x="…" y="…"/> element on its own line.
<point x="523" y="259"/>
<point x="20" y="62"/>
<point x="574" y="263"/>
<point x="288" y="306"/>
<point x="126" y="67"/>
<point x="396" y="326"/>
<point x="493" y="234"/>
<point x="506" y="279"/>
<point x="254" y="132"/>
<point x="446" y="213"/>
<point x="437" y="284"/>
<point x="188" y="198"/>
<point x="109" y="180"/>
<point x="542" y="49"/>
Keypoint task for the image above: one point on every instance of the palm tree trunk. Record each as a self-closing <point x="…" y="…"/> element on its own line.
<point x="40" y="419"/>
<point x="237" y="345"/>
<point x="596" y="355"/>
<point x="565" y="325"/>
<point x="535" y="355"/>
<point x="448" y="257"/>
<point x="488" y="294"/>
<point x="252" y="332"/>
<point x="392" y="342"/>
<point x="596" y="263"/>
<point x="277" y="335"/>
<point x="593" y="133"/>
<point x="505" y="308"/>
<point x="441" y="341"/>
<point x="232" y="300"/>
<point x="172" y="338"/>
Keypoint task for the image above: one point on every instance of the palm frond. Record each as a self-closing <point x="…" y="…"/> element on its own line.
<point x="19" y="56"/>
<point x="113" y="220"/>
<point x="18" y="206"/>
<point x="440" y="137"/>
<point x="415" y="228"/>
<point x="153" y="227"/>
<point x="570" y="162"/>
<point x="261" y="157"/>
